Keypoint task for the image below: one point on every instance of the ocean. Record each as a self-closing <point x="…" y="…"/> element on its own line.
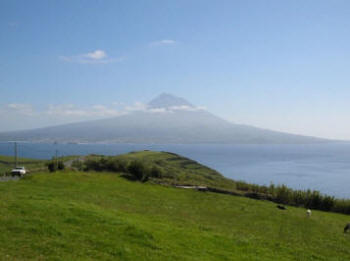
<point x="323" y="167"/>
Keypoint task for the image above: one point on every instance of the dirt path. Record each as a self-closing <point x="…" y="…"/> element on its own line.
<point x="68" y="164"/>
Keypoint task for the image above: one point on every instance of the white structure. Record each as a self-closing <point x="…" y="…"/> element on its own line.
<point x="308" y="212"/>
<point x="18" y="171"/>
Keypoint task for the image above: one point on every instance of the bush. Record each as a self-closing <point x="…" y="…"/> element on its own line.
<point x="282" y="194"/>
<point x="54" y="166"/>
<point x="137" y="170"/>
<point x="92" y="164"/>
<point x="300" y="198"/>
<point x="156" y="172"/>
<point x="51" y="166"/>
<point x="60" y="165"/>
<point x="104" y="164"/>
<point x="116" y="165"/>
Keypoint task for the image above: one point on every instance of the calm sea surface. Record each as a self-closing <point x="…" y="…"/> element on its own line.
<point x="325" y="167"/>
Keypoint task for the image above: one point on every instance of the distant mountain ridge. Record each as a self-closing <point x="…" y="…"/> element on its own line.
<point x="167" y="119"/>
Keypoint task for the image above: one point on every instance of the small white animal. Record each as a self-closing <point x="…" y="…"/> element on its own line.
<point x="308" y="212"/>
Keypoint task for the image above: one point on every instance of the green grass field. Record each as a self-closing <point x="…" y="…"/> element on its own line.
<point x="32" y="165"/>
<point x="101" y="216"/>
<point x="7" y="163"/>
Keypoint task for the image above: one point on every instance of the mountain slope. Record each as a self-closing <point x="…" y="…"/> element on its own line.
<point x="167" y="119"/>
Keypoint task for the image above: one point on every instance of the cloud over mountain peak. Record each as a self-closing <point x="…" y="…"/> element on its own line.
<point x="166" y="100"/>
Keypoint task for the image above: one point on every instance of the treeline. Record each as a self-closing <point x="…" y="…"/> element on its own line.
<point x="137" y="169"/>
<point x="300" y="198"/>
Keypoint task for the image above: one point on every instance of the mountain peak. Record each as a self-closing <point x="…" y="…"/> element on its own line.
<point x="166" y="100"/>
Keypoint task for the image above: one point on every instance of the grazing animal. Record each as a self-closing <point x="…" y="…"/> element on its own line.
<point x="347" y="227"/>
<point x="281" y="207"/>
<point x="308" y="212"/>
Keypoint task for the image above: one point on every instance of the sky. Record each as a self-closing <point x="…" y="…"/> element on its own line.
<point x="280" y="65"/>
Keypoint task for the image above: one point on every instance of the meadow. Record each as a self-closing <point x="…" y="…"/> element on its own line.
<point x="74" y="215"/>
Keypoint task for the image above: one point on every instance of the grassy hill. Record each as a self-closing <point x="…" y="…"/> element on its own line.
<point x="177" y="169"/>
<point x="172" y="169"/>
<point x="101" y="216"/>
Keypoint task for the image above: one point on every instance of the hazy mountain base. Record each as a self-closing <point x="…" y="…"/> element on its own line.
<point x="162" y="128"/>
<point x="167" y="119"/>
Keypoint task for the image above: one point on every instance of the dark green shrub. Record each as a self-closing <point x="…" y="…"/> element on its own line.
<point x="60" y="165"/>
<point x="137" y="170"/>
<point x="92" y="164"/>
<point x="298" y="198"/>
<point x="155" y="172"/>
<point x="315" y="200"/>
<point x="116" y="165"/>
<point x="243" y="186"/>
<point x="51" y="166"/>
<point x="105" y="164"/>
<point x="282" y="194"/>
<point x="301" y="198"/>
<point x="54" y="166"/>
<point x="328" y="203"/>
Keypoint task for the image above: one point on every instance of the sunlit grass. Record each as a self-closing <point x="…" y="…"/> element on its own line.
<point x="100" y="216"/>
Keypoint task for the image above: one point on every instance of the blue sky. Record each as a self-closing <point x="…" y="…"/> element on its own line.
<point x="280" y="65"/>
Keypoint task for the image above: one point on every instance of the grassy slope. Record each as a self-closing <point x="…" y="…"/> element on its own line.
<point x="91" y="216"/>
<point x="180" y="170"/>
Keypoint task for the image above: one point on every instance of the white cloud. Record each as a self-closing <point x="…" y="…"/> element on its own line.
<point x="157" y="110"/>
<point x="20" y="108"/>
<point x="94" y="111"/>
<point x="94" y="57"/>
<point x="137" y="106"/>
<point x="186" y="108"/>
<point x="65" y="110"/>
<point x="103" y="111"/>
<point x="162" y="42"/>
<point x="70" y="110"/>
